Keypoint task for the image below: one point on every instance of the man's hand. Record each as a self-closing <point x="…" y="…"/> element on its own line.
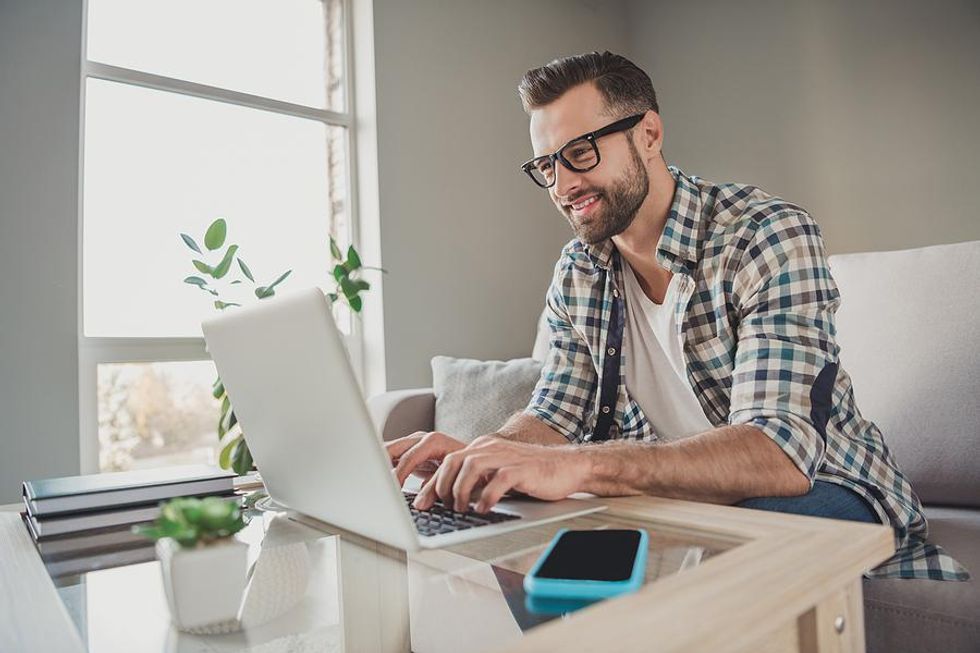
<point x="420" y="452"/>
<point x="544" y="472"/>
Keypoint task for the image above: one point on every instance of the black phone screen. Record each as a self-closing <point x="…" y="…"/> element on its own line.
<point x="605" y="555"/>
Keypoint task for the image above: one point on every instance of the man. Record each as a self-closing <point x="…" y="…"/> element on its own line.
<point x="692" y="351"/>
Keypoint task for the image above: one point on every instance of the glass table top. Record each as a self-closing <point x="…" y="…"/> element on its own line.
<point x="310" y="587"/>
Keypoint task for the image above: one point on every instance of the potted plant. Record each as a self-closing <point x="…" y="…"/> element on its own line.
<point x="204" y="566"/>
<point x="221" y="275"/>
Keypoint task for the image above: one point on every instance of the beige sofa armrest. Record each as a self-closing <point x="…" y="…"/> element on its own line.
<point x="401" y="412"/>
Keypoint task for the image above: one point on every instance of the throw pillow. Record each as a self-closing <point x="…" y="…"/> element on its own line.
<point x="474" y="397"/>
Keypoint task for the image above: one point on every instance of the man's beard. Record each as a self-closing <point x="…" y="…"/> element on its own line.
<point x="620" y="204"/>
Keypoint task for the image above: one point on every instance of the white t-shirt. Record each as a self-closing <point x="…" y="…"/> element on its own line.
<point x="656" y="374"/>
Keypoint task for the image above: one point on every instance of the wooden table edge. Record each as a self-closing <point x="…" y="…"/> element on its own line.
<point x="786" y="565"/>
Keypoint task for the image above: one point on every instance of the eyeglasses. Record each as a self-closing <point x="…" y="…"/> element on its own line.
<point x="580" y="154"/>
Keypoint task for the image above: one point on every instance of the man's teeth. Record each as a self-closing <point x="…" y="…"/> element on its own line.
<point x="582" y="205"/>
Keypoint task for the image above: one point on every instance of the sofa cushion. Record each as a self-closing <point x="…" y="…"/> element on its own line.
<point x="905" y="615"/>
<point x="474" y="397"/>
<point x="908" y="327"/>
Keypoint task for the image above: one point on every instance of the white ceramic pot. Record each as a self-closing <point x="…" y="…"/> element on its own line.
<point x="204" y="585"/>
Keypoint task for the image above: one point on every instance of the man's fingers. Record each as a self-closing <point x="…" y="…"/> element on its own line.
<point x="471" y="472"/>
<point x="422" y="452"/>
<point x="426" y="469"/>
<point x="426" y="496"/>
<point x="430" y="447"/>
<point x="396" y="448"/>
<point x="503" y="480"/>
<point x="448" y="471"/>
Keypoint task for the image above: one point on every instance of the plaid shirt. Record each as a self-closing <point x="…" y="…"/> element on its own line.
<point x="756" y="315"/>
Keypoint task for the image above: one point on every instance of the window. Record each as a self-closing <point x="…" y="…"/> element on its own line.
<point x="239" y="109"/>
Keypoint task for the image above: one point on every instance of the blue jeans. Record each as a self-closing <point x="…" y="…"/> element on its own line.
<point x="824" y="500"/>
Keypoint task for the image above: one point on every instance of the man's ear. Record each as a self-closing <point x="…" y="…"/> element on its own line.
<point x="650" y="135"/>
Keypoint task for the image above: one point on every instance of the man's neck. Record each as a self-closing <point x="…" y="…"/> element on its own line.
<point x="638" y="244"/>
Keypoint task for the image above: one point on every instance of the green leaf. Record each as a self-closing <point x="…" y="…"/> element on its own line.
<point x="332" y="296"/>
<point x="224" y="458"/>
<point x="348" y="288"/>
<point x="223" y="419"/>
<point x="225" y="265"/>
<point x="228" y="421"/>
<point x="220" y="305"/>
<point x="190" y="243"/>
<point x="218" y="389"/>
<point x="196" y="281"/>
<point x="262" y="292"/>
<point x="241" y="458"/>
<point x="353" y="260"/>
<point x="215" y="237"/>
<point x="361" y="284"/>
<point x="339" y="272"/>
<point x="216" y="515"/>
<point x="335" y="250"/>
<point x="282" y="277"/>
<point x="203" y="267"/>
<point x="236" y="282"/>
<point x="245" y="270"/>
<point x="355" y="304"/>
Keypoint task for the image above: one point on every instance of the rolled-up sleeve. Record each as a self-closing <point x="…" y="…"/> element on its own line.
<point x="786" y="362"/>
<point x="568" y="379"/>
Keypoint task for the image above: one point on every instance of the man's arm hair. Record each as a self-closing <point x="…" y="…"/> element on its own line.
<point x="524" y="427"/>
<point x="724" y="465"/>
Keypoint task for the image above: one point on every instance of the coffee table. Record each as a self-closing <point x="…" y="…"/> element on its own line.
<point x="718" y="579"/>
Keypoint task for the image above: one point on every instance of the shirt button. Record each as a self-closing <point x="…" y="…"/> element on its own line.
<point x="615" y="293"/>
<point x="611" y="351"/>
<point x="605" y="409"/>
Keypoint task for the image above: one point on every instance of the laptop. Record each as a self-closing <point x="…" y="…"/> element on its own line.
<point x="286" y="371"/>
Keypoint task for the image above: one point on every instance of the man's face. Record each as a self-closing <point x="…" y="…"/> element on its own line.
<point x="602" y="202"/>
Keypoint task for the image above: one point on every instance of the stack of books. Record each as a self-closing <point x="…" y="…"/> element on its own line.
<point x="83" y="522"/>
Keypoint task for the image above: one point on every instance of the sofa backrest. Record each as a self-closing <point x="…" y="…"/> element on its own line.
<point x="909" y="329"/>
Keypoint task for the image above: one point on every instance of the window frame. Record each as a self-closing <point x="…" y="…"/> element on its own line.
<point x="94" y="351"/>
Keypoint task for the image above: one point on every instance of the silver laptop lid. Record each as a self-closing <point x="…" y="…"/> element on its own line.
<point x="286" y="370"/>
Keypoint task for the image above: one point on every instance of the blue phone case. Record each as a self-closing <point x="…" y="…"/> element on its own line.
<point x="561" y="588"/>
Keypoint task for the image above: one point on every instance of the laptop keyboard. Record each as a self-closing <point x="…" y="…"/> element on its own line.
<point x="439" y="519"/>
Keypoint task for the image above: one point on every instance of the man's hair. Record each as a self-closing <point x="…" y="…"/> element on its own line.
<point x="624" y="87"/>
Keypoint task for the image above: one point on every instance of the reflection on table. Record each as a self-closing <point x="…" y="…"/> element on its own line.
<point x="313" y="587"/>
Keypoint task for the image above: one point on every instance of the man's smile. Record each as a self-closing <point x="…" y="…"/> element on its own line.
<point x="584" y="205"/>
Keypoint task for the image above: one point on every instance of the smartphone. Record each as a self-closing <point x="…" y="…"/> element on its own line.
<point x="588" y="565"/>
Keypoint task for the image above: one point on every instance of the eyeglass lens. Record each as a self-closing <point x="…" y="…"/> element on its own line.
<point x="581" y="154"/>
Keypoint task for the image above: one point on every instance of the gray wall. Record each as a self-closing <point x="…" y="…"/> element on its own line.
<point x="866" y="113"/>
<point x="469" y="242"/>
<point x="40" y="45"/>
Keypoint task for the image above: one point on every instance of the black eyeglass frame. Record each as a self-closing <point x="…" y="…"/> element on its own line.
<point x="620" y="125"/>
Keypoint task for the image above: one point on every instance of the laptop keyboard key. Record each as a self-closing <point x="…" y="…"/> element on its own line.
<point x="440" y="519"/>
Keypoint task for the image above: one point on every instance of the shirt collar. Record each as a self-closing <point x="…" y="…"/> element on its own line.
<point x="679" y="244"/>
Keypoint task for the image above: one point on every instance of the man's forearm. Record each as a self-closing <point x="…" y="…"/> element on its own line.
<point x="724" y="465"/>
<point x="522" y="427"/>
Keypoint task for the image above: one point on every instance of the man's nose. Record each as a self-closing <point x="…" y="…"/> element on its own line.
<point x="567" y="182"/>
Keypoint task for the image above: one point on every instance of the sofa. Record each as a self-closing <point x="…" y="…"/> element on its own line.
<point x="909" y="329"/>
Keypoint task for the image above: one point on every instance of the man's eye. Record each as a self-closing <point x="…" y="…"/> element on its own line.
<point x="581" y="153"/>
<point x="544" y="166"/>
